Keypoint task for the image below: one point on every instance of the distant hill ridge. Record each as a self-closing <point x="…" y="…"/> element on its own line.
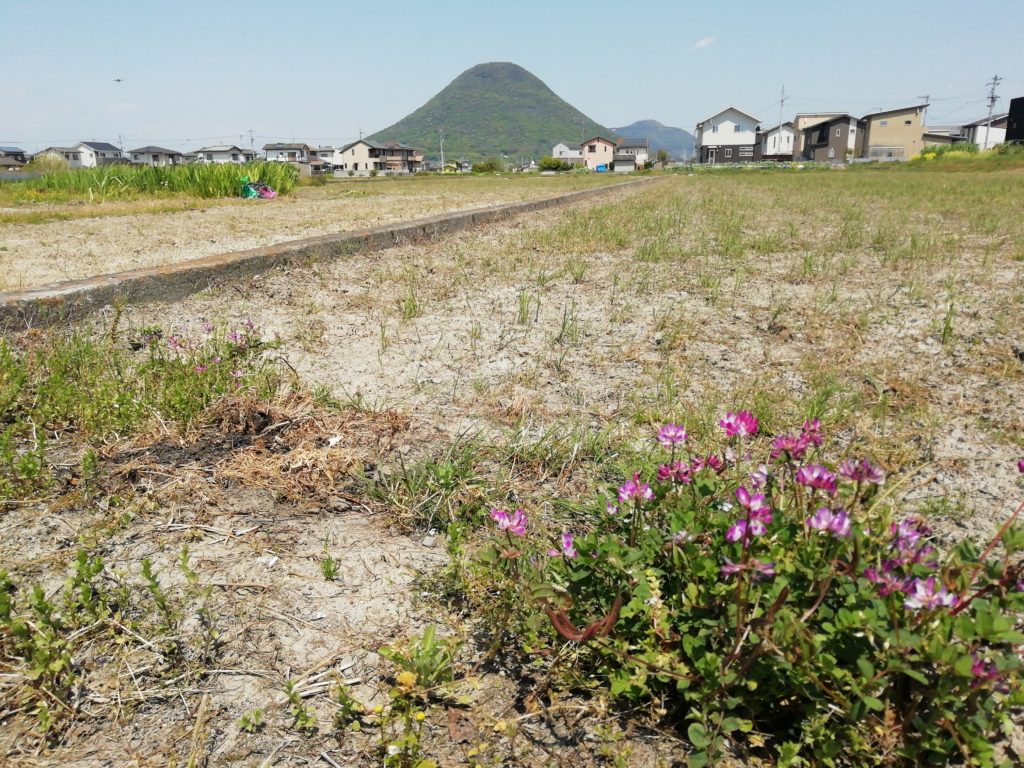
<point x="492" y="110"/>
<point x="677" y="142"/>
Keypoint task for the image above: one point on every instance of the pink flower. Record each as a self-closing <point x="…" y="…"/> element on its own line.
<point x="1020" y="465"/>
<point x="207" y="328"/>
<point x="816" y="476"/>
<point x="708" y="462"/>
<point x="514" y="523"/>
<point x="763" y="570"/>
<point x="634" y="489"/>
<point x="611" y="508"/>
<point x="811" y="432"/>
<point x="681" y="537"/>
<point x="750" y="502"/>
<point x="928" y="594"/>
<point x="676" y="471"/>
<point x="730" y="568"/>
<point x="741" y="424"/>
<point x="738" y="531"/>
<point x="671" y="434"/>
<point x="791" y="446"/>
<point x="837" y="523"/>
<point x="861" y="471"/>
<point x="567" y="549"/>
<point x="200" y="368"/>
<point x="887" y="582"/>
<point x="759" y="478"/>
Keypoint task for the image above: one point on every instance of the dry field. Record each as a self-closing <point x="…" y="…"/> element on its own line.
<point x="521" y="364"/>
<point x="44" y="243"/>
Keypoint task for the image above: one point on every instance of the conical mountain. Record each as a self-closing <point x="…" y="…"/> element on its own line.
<point x="677" y="142"/>
<point x="492" y="110"/>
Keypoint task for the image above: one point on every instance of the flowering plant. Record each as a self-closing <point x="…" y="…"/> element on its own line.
<point x="775" y="601"/>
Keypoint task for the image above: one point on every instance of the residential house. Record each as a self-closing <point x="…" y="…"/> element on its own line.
<point x="361" y="158"/>
<point x="154" y="156"/>
<point x="330" y="156"/>
<point x="224" y="153"/>
<point x="61" y="152"/>
<point x="288" y="153"/>
<point x="1015" y="121"/>
<point x="728" y="136"/>
<point x="568" y="153"/>
<point x="625" y="163"/>
<point x="801" y="122"/>
<point x="598" y="153"/>
<point x="640" y="149"/>
<point x="777" y="143"/>
<point x="836" y="140"/>
<point x="14" y="153"/>
<point x="894" y="134"/>
<point x="90" y="154"/>
<point x="10" y="163"/>
<point x="987" y="133"/>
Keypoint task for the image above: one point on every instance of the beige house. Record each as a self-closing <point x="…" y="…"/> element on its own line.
<point x="895" y="134"/>
<point x="597" y="152"/>
<point x="362" y="157"/>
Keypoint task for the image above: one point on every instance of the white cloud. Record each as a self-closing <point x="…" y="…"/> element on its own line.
<point x="704" y="42"/>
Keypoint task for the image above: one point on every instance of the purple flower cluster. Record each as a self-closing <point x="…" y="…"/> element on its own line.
<point x="710" y="461"/>
<point x="836" y="522"/>
<point x="635" y="489"/>
<point x="513" y="523"/>
<point x="910" y="547"/>
<point x="793" y="447"/>
<point x="741" y="424"/>
<point x="756" y="520"/>
<point x="671" y="435"/>
<point x="567" y="549"/>
<point x="861" y="471"/>
<point x="677" y="472"/>
<point x="817" y="476"/>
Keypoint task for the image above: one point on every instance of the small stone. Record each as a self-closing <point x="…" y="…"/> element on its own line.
<point x="430" y="540"/>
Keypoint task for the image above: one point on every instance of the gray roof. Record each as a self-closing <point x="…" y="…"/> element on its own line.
<point x="995" y="119"/>
<point x="224" y="148"/>
<point x="12" y="150"/>
<point x="101" y="146"/>
<point x="10" y="161"/>
<point x="153" y="151"/>
<point x="287" y="146"/>
<point x="635" y="143"/>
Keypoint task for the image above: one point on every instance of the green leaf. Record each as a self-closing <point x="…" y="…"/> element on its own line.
<point x="872" y="703"/>
<point x="698" y="736"/>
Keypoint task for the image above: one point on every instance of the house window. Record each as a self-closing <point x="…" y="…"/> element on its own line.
<point x="135" y="157"/>
<point x="839" y="131"/>
<point x="831" y="152"/>
<point x="746" y="151"/>
<point x="883" y="122"/>
<point x="592" y="148"/>
<point x="908" y="122"/>
<point x="714" y="129"/>
<point x="728" y="153"/>
<point x="209" y="157"/>
<point x="234" y="157"/>
<point x="737" y="128"/>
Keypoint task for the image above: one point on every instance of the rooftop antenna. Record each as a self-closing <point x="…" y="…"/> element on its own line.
<point x="924" y="98"/>
<point x="360" y="133"/>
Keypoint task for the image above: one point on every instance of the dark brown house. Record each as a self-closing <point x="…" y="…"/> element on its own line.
<point x="834" y="141"/>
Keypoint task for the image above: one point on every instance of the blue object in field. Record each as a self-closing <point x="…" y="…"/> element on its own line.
<point x="601" y="168"/>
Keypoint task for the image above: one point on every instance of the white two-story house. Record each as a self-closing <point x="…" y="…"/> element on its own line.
<point x="154" y="156"/>
<point x="224" y="153"/>
<point x="568" y="153"/>
<point x="777" y="143"/>
<point x="89" y="154"/>
<point x="289" y="153"/>
<point x="728" y="136"/>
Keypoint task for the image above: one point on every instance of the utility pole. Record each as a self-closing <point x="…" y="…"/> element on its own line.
<point x="992" y="99"/>
<point x="252" y="142"/>
<point x="120" y="139"/>
<point x="924" y="114"/>
<point x="440" y="135"/>
<point x="778" y="140"/>
<point x="360" y="133"/>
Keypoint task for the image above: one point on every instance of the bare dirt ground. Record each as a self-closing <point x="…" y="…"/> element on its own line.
<point x="897" y="317"/>
<point x="34" y="254"/>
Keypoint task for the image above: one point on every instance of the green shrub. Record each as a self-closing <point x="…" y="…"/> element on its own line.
<point x="779" y="606"/>
<point x="553" y="164"/>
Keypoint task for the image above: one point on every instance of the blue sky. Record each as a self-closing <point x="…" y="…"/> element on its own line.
<point x="198" y="73"/>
